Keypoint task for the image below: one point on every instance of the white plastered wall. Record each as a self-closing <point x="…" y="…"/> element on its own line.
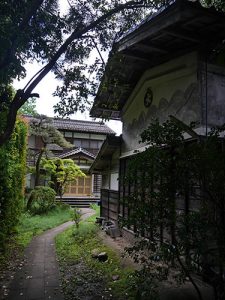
<point x="175" y="92"/>
<point x="110" y="176"/>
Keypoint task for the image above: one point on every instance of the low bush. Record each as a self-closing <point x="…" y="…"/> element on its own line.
<point x="43" y="200"/>
<point x="76" y="216"/>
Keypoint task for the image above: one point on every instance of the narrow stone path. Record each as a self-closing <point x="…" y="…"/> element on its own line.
<point x="38" y="278"/>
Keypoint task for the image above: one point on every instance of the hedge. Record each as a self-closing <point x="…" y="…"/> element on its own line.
<point x="12" y="180"/>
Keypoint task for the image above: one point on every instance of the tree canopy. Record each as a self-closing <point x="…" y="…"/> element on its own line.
<point x="29" y="108"/>
<point x="37" y="30"/>
<point x="62" y="172"/>
<point x="42" y="127"/>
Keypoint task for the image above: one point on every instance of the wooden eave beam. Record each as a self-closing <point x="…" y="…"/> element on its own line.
<point x="107" y="110"/>
<point x="136" y="56"/>
<point x="170" y="16"/>
<point x="182" y="35"/>
<point x="151" y="48"/>
<point x="193" y="20"/>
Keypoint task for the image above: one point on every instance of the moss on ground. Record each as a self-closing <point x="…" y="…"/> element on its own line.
<point x="28" y="227"/>
<point x="84" y="277"/>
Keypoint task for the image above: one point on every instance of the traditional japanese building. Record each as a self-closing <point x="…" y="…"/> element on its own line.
<point x="87" y="138"/>
<point x="170" y="64"/>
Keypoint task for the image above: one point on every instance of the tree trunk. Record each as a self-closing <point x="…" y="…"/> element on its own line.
<point x="29" y="201"/>
<point x="23" y="95"/>
<point x="37" y="175"/>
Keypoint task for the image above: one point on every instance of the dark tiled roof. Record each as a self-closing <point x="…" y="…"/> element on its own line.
<point x="76" y="151"/>
<point x="82" y="126"/>
<point x="54" y="147"/>
<point x="78" y="125"/>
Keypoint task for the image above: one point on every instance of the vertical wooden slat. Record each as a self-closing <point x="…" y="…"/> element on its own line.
<point x="108" y="202"/>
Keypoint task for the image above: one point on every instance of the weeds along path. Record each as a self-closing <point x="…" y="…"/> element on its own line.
<point x="38" y="278"/>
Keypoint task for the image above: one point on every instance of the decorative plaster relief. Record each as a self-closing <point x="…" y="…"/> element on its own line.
<point x="185" y="105"/>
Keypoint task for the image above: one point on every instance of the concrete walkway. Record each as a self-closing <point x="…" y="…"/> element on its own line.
<point x="38" y="278"/>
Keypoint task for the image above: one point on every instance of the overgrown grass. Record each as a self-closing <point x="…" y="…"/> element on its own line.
<point x="29" y="226"/>
<point x="92" y="218"/>
<point x="74" y="245"/>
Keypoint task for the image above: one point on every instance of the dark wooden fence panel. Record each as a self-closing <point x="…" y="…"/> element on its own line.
<point x="185" y="204"/>
<point x="109" y="204"/>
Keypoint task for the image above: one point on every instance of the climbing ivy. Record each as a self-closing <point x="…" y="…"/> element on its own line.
<point x="176" y="207"/>
<point x="12" y="176"/>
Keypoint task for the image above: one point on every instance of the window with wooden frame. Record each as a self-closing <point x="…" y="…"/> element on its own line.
<point x="80" y="187"/>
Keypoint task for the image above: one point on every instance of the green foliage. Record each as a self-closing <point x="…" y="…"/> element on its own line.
<point x="218" y="4"/>
<point x="62" y="172"/>
<point x="92" y="218"/>
<point x="6" y="96"/>
<point x="76" y="217"/>
<point x="31" y="225"/>
<point x="43" y="199"/>
<point x="145" y="285"/>
<point x="63" y="42"/>
<point x="176" y="206"/>
<point x="37" y="21"/>
<point x="12" y="176"/>
<point x="42" y="126"/>
<point x="96" y="207"/>
<point x="29" y="108"/>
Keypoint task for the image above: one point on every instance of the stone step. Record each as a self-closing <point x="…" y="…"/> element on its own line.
<point x="78" y="202"/>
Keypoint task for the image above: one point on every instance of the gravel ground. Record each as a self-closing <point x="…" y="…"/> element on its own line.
<point x="82" y="283"/>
